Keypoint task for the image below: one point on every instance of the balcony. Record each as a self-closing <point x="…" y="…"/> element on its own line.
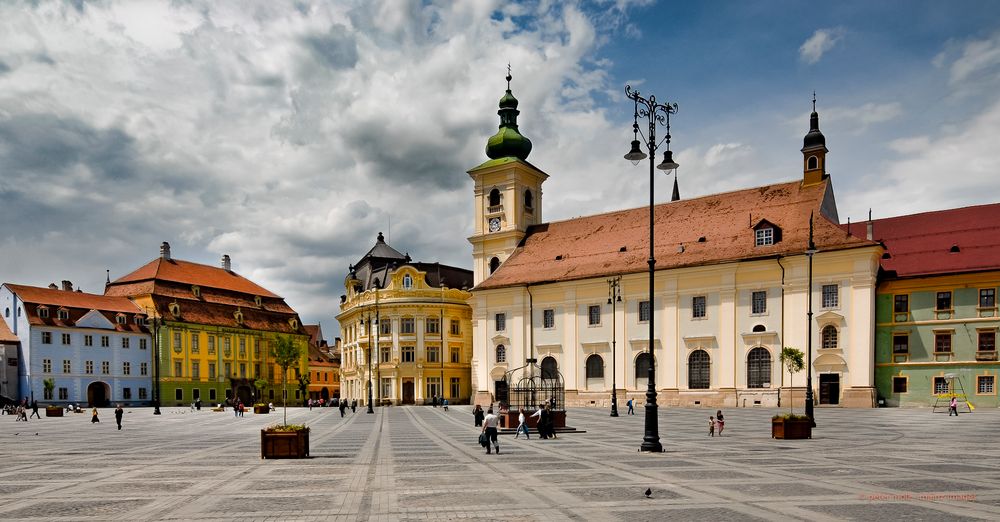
<point x="494" y="209"/>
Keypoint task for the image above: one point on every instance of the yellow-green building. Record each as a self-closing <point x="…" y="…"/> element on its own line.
<point x="213" y="332"/>
<point x="406" y="329"/>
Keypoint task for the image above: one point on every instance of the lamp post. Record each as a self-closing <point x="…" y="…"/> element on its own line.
<point x="368" y="325"/>
<point x="654" y="113"/>
<point x="810" y="251"/>
<point x="614" y="297"/>
<point x="154" y="321"/>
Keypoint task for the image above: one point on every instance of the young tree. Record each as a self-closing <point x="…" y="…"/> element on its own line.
<point x="49" y="385"/>
<point x="286" y="353"/>
<point x="260" y="384"/>
<point x="791" y="359"/>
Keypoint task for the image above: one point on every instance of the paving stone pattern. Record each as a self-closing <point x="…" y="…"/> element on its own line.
<point x="422" y="463"/>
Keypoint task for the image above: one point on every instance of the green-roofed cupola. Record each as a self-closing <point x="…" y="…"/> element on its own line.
<point x="508" y="142"/>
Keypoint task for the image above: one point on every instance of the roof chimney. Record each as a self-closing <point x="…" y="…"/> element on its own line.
<point x="53" y="286"/>
<point x="226" y="263"/>
<point x="165" y="251"/>
<point x="868" y="232"/>
<point x="67" y="285"/>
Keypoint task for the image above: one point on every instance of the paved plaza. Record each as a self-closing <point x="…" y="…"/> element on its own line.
<point x="421" y="463"/>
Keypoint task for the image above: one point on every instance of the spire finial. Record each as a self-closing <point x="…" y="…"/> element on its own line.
<point x="814" y="101"/>
<point x="509" y="77"/>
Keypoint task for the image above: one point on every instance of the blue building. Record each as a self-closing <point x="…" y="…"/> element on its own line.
<point x="95" y="348"/>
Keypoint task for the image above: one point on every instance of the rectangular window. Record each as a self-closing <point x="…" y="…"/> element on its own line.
<point x="47" y="394"/>
<point x="548" y="318"/>
<point x="456" y="387"/>
<point x="227" y="346"/>
<point x="46" y="365"/>
<point x="43" y="312"/>
<point x="831" y="296"/>
<point x="899" y="384"/>
<point x="432" y="354"/>
<point x="211" y="394"/>
<point x="987" y="341"/>
<point x="12" y="361"/>
<point x="211" y="345"/>
<point x="125" y="342"/>
<point x="88" y="340"/>
<point x="942" y="343"/>
<point x="105" y="367"/>
<point x="67" y="366"/>
<point x="901" y="344"/>
<point x="142" y="344"/>
<point x="196" y="394"/>
<point x="987" y="298"/>
<point x="594" y="315"/>
<point x="698" y="307"/>
<point x="46" y="337"/>
<point x="407" y="325"/>
<point x="501" y="322"/>
<point x="432" y="325"/>
<point x="127" y="393"/>
<point x="385" y="327"/>
<point x="984" y="384"/>
<point x="144" y="369"/>
<point x="764" y="236"/>
<point x="178" y="394"/>
<point x="142" y="394"/>
<point x="456" y="327"/>
<point x="384" y="354"/>
<point x="195" y="370"/>
<point x="386" y="387"/>
<point x="126" y="368"/>
<point x="105" y="341"/>
<point x="943" y="301"/>
<point x="229" y="370"/>
<point x="177" y="341"/>
<point x="256" y="348"/>
<point x="211" y="370"/>
<point x="407" y="353"/>
<point x="456" y="355"/>
<point x="940" y="386"/>
<point x="64" y="394"/>
<point x="88" y="367"/>
<point x="901" y="304"/>
<point x="434" y="387"/>
<point x="758" y="302"/>
<point x="256" y="370"/>
<point x="243" y="347"/>
<point x="195" y="348"/>
<point x="178" y="369"/>
<point x="243" y="370"/>
<point x="66" y="338"/>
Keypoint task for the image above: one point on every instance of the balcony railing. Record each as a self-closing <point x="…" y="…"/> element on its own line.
<point x="494" y="209"/>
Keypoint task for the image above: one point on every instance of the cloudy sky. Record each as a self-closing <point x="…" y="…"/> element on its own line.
<point x="287" y="134"/>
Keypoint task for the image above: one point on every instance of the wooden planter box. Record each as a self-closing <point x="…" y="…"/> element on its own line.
<point x="53" y="412"/>
<point x="284" y="444"/>
<point x="261" y="409"/>
<point x="791" y="429"/>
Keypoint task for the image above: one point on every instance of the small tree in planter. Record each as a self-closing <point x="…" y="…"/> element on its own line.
<point x="259" y="406"/>
<point x="304" y="387"/>
<point x="50" y="410"/>
<point x="285" y="440"/>
<point x="791" y="426"/>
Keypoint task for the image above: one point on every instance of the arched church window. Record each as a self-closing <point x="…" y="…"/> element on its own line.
<point x="550" y="368"/>
<point x="494" y="264"/>
<point x="501" y="354"/>
<point x="829" y="336"/>
<point x="595" y="367"/>
<point x="529" y="199"/>
<point x="494" y="197"/>
<point x="812" y="163"/>
<point x="758" y="367"/>
<point x="407" y="282"/>
<point x="699" y="370"/>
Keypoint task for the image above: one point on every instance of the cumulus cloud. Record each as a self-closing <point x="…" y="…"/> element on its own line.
<point x="819" y="43"/>
<point x="286" y="134"/>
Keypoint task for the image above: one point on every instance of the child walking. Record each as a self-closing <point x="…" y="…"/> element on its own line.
<point x="711" y="426"/>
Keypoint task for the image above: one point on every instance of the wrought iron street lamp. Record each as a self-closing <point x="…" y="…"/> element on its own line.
<point x="655" y="113"/>
<point x="369" y="326"/>
<point x="154" y="321"/>
<point x="614" y="297"/>
<point x="810" y="251"/>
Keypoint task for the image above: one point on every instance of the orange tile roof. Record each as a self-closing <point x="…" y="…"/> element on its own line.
<point x="71" y="299"/>
<point x="618" y="242"/>
<point x="216" y="314"/>
<point x="186" y="272"/>
<point x="7" y="336"/>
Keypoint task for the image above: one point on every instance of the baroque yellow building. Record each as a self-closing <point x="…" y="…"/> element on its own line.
<point x="406" y="329"/>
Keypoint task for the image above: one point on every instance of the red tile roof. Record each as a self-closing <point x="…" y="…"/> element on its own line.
<point x="186" y="272"/>
<point x="921" y="244"/>
<point x="216" y="314"/>
<point x="618" y="242"/>
<point x="6" y="336"/>
<point x="70" y="299"/>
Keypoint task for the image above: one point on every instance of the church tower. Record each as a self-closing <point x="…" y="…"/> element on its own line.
<point x="508" y="193"/>
<point x="813" y="151"/>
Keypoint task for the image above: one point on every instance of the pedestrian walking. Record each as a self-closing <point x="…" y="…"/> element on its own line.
<point x="118" y="416"/>
<point x="711" y="426"/>
<point x="521" y="425"/>
<point x="34" y="410"/>
<point x="719" y="422"/>
<point x="342" y="405"/>
<point x="550" y="427"/>
<point x="953" y="407"/>
<point x="444" y="403"/>
<point x="477" y="415"/>
<point x="354" y="406"/>
<point x="21" y="415"/>
<point x="434" y="400"/>
<point x="310" y="405"/>
<point x="630" y="410"/>
<point x="540" y="414"/>
<point x="94" y="418"/>
<point x="490" y="423"/>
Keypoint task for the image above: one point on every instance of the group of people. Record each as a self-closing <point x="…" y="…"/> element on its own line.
<point x="716" y="423"/>
<point x="444" y="402"/>
<point x="21" y="410"/>
<point x="343" y="406"/>
<point x="489" y="421"/>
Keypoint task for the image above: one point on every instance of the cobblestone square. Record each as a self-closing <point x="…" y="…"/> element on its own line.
<point x="422" y="463"/>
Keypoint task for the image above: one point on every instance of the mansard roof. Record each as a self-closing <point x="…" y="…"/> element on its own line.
<point x="77" y="304"/>
<point x="712" y="229"/>
<point x="190" y="273"/>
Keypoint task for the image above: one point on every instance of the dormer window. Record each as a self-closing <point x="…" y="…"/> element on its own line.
<point x="407" y="282"/>
<point x="196" y="290"/>
<point x="294" y="323"/>
<point x="257" y="300"/>
<point x="121" y="319"/>
<point x="140" y="319"/>
<point x="238" y="315"/>
<point x="175" y="309"/>
<point x="766" y="233"/>
<point x="43" y="312"/>
<point x="62" y="313"/>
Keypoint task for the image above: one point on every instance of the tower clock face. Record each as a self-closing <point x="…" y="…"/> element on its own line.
<point x="494" y="224"/>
